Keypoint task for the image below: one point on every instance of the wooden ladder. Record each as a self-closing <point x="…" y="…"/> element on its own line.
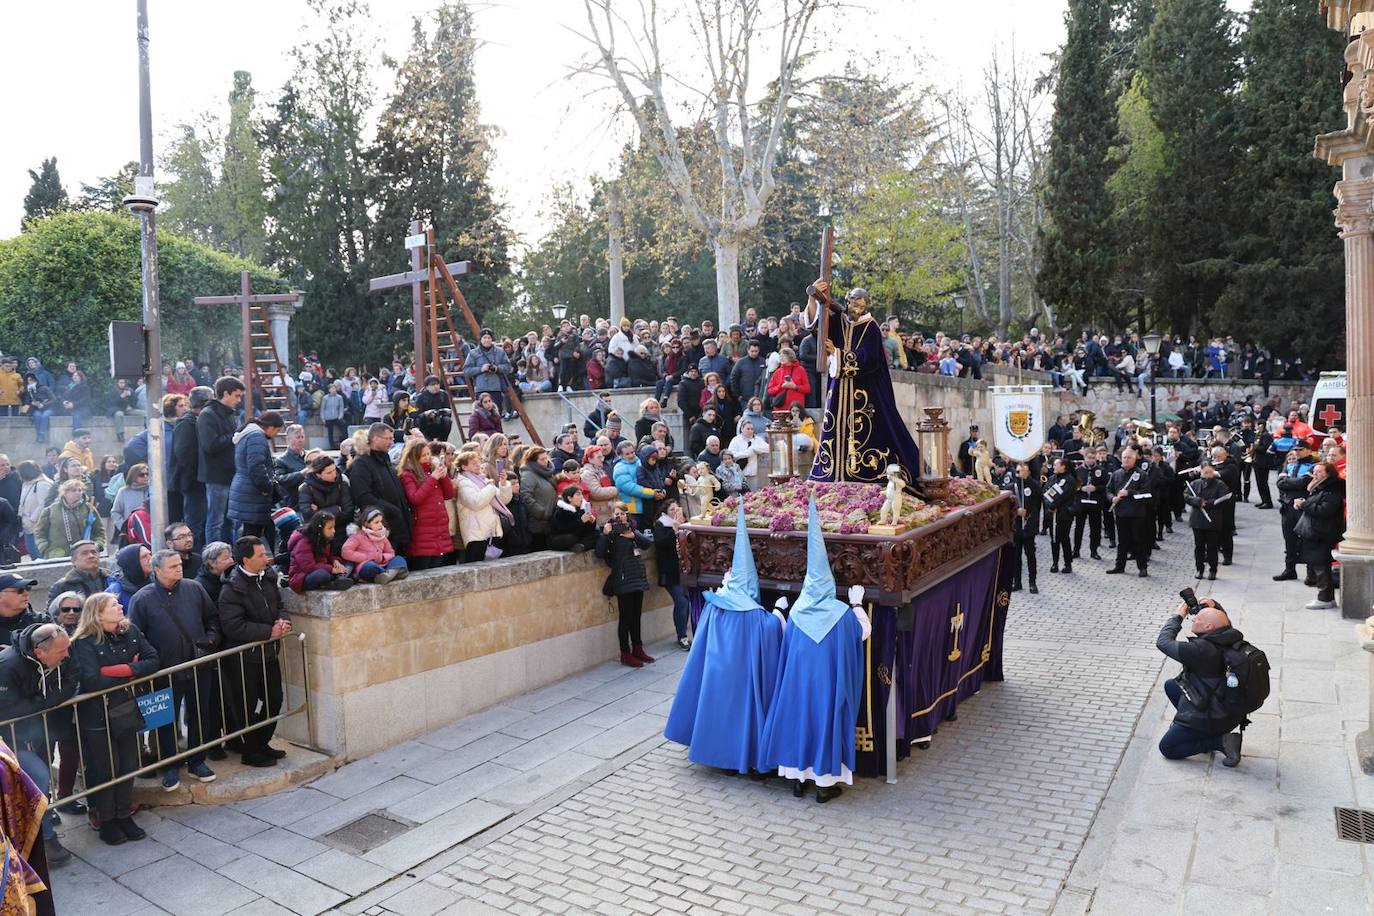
<point x="263" y="364"/>
<point x="441" y="335"/>
<point x="448" y="353"/>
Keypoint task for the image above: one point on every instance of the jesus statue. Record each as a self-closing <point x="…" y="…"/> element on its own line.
<point x="862" y="432"/>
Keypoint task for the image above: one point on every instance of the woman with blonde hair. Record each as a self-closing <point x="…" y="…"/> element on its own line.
<point x="482" y="507"/>
<point x="496" y="457"/>
<point x="109" y="651"/>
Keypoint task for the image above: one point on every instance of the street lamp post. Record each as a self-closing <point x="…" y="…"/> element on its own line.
<point x="560" y="311"/>
<point x="960" y="301"/>
<point x="1152" y="342"/>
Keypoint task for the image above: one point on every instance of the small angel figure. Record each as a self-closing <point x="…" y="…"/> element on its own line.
<point x="702" y="486"/>
<point x="982" y="464"/>
<point x="892" y="506"/>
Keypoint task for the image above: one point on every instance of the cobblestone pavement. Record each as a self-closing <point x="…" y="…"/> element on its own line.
<point x="1045" y="795"/>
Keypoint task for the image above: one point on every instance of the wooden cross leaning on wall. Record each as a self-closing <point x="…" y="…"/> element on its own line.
<point x="261" y="357"/>
<point x="430" y="276"/>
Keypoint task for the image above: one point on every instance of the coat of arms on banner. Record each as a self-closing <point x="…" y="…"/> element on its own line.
<point x="1019" y="427"/>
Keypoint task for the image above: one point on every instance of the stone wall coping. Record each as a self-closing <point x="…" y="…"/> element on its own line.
<point x="438" y="584"/>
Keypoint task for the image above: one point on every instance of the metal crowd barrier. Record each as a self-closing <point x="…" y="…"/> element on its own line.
<point x="149" y="742"/>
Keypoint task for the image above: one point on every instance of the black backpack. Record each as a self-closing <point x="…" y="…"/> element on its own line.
<point x="1250" y="667"/>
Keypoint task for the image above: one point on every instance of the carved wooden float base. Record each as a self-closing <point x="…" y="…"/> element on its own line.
<point x="892" y="567"/>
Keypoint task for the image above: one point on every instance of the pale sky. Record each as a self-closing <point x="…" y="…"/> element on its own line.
<point x="71" y="78"/>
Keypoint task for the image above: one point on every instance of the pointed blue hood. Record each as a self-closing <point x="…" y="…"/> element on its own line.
<point x="817" y="610"/>
<point x="739" y="590"/>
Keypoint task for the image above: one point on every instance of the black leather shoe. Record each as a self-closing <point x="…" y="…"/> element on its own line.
<point x="1144" y="574"/>
<point x="131" y="830"/>
<point x="275" y="753"/>
<point x="1212" y="573"/>
<point x="798" y="788"/>
<point x="1226" y="562"/>
<point x="1230" y="747"/>
<point x="258" y="760"/>
<point x="1033" y="589"/>
<point x="824" y="795"/>
<point x="1115" y="572"/>
<point x="111" y="834"/>
<point x="1285" y="576"/>
<point x="1095" y="555"/>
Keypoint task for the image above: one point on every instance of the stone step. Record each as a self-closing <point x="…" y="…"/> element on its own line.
<point x="236" y="782"/>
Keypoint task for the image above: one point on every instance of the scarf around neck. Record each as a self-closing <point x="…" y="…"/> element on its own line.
<point x="500" y="507"/>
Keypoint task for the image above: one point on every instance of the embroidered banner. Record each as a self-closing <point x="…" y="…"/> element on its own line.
<point x="1019" y="420"/>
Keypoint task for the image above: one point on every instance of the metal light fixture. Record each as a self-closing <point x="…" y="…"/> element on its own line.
<point x="960" y="301"/>
<point x="560" y="311"/>
<point x="932" y="439"/>
<point x="782" y="434"/>
<point x="1152" y="342"/>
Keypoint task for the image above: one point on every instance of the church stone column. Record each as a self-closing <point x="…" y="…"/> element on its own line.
<point x="1355" y="217"/>
<point x="279" y="316"/>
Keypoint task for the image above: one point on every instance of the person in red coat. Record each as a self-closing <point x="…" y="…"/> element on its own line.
<point x="426" y="482"/>
<point x="788" y="384"/>
<point x="313" y="563"/>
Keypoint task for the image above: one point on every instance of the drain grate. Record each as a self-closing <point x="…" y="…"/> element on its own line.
<point x="368" y="832"/>
<point x="1355" y="825"/>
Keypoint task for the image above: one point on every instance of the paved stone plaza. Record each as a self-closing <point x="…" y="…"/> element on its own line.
<point x="1045" y="796"/>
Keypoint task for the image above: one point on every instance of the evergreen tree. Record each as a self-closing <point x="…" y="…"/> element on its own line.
<point x="1077" y="251"/>
<point x="190" y="194"/>
<point x="320" y="229"/>
<point x="108" y="193"/>
<point x="432" y="157"/>
<point x="1189" y="62"/>
<point x="1288" y="289"/>
<point x="241" y="186"/>
<point x="46" y="196"/>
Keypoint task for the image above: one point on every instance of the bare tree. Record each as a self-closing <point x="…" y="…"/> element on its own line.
<point x="728" y="34"/>
<point x="999" y="139"/>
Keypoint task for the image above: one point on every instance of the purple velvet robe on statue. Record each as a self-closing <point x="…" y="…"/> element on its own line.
<point x="862" y="432"/>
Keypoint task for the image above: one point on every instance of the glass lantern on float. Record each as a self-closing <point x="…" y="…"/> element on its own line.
<point x="782" y="452"/>
<point x="932" y="438"/>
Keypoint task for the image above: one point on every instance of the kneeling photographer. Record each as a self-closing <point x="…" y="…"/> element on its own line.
<point x="1224" y="678"/>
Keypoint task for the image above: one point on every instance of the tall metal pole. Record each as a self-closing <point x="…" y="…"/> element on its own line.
<point x="1154" y="370"/>
<point x="144" y="202"/>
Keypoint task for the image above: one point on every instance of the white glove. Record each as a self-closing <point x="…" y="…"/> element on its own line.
<point x="781" y="603"/>
<point x="856" y="594"/>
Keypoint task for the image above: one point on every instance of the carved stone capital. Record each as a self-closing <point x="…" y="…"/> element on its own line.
<point x="1355" y="206"/>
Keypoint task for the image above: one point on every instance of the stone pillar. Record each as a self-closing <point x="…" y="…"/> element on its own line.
<point x="1355" y="217"/>
<point x="616" y="254"/>
<point x="279" y="316"/>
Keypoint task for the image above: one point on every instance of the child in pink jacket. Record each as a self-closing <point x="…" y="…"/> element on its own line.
<point x="368" y="549"/>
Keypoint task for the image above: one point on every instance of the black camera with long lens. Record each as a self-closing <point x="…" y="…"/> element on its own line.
<point x="1190" y="599"/>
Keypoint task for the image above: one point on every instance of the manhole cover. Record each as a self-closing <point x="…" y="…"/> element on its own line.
<point x="368" y="832"/>
<point x="1355" y="825"/>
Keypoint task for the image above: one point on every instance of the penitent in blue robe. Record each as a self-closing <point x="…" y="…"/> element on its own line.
<point x="726" y="688"/>
<point x="810" y="728"/>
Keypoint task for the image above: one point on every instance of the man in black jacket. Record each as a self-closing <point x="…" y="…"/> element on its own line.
<point x="746" y="377"/>
<point x="1132" y="493"/>
<point x="250" y="610"/>
<point x="1092" y="503"/>
<point x="1026" y="488"/>
<point x="373" y="482"/>
<point x="36" y="675"/>
<point x="179" y="619"/>
<point x="966" y="451"/>
<point x="1228" y="469"/>
<point x="1202" y="723"/>
<point x="185" y="477"/>
<point x="1292" y="485"/>
<point x="289" y="467"/>
<point x="215" y="428"/>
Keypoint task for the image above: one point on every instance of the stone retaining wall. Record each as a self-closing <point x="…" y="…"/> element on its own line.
<point x="390" y="662"/>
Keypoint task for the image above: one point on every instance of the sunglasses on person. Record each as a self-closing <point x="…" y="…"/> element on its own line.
<point x="69" y="609"/>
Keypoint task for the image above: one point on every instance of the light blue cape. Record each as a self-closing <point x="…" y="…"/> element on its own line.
<point x="816" y="610"/>
<point x="739" y="589"/>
